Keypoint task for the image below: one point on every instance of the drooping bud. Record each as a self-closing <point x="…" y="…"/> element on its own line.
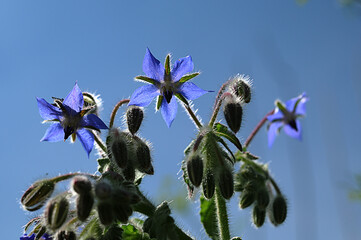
<point x="103" y="190"/>
<point x="233" y="113"/>
<point x="129" y="173"/>
<point x="278" y="210"/>
<point x="84" y="205"/>
<point x="242" y="88"/>
<point x="81" y="185"/>
<point x="144" y="163"/>
<point x="195" y="169"/>
<point x="40" y="233"/>
<point x="37" y="195"/>
<point x="56" y="212"/>
<point x="208" y="185"/>
<point x="120" y="152"/>
<point x="263" y="198"/>
<point x="258" y="216"/>
<point x="105" y="212"/>
<point x="225" y="182"/>
<point x="134" y="118"/>
<point x="247" y="198"/>
<point x="65" y="235"/>
<point x="122" y="212"/>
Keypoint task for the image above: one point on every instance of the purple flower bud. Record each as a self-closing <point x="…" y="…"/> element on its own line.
<point x="37" y="195"/>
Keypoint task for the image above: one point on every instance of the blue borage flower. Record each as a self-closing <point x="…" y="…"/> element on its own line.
<point x="70" y="119"/>
<point x="166" y="83"/>
<point x="286" y="117"/>
<point x="32" y="237"/>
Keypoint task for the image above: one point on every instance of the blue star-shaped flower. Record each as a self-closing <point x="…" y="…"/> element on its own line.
<point x="26" y="237"/>
<point x="166" y="83"/>
<point x="286" y="117"/>
<point x="70" y="119"/>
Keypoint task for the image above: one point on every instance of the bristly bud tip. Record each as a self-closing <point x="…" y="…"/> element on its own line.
<point x="134" y="117"/>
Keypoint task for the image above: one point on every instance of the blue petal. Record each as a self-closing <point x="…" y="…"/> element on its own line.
<point x="93" y="120"/>
<point x="75" y="99"/>
<point x="169" y="111"/>
<point x="273" y="132"/>
<point x="26" y="237"/>
<point x="86" y="138"/>
<point x="290" y="104"/>
<point x="48" y="111"/>
<point x="190" y="91"/>
<point x="292" y="132"/>
<point x="276" y="116"/>
<point x="181" y="67"/>
<point x="152" y="67"/>
<point x="301" y="107"/>
<point x="54" y="133"/>
<point x="144" y="95"/>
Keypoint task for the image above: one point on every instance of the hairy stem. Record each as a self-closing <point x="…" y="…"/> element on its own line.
<point x="222" y="216"/>
<point x="100" y="142"/>
<point x="193" y="116"/>
<point x="70" y="175"/>
<point x="217" y="107"/>
<point x="256" y="129"/>
<point x="115" y="110"/>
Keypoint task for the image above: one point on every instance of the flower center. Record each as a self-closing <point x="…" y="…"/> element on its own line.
<point x="70" y="124"/>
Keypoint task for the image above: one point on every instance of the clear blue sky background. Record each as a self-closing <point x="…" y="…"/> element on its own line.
<point x="45" y="46"/>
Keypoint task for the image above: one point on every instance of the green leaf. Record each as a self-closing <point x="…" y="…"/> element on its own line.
<point x="245" y="156"/>
<point x="148" y="80"/>
<point x="103" y="163"/>
<point x="92" y="229"/>
<point x="132" y="233"/>
<point x="220" y="140"/>
<point x="208" y="217"/>
<point x="222" y="131"/>
<point x="188" y="77"/>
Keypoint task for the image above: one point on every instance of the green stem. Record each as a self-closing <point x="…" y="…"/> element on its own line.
<point x="217" y="107"/>
<point x="256" y="129"/>
<point x="70" y="175"/>
<point x="100" y="142"/>
<point x="115" y="110"/>
<point x="193" y="116"/>
<point x="222" y="216"/>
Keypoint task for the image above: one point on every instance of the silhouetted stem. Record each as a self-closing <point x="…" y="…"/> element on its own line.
<point x="217" y="107"/>
<point x="115" y="110"/>
<point x="193" y="116"/>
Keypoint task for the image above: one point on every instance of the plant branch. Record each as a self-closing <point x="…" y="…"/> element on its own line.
<point x="115" y="110"/>
<point x="222" y="216"/>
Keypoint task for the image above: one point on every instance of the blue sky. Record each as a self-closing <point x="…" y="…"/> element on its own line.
<point x="46" y="46"/>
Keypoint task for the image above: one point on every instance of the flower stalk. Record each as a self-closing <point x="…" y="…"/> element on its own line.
<point x="222" y="216"/>
<point x="115" y="110"/>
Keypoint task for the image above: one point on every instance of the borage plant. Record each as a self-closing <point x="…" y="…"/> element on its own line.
<point x="101" y="206"/>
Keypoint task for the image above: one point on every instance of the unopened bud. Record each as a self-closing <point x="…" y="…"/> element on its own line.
<point x="225" y="183"/>
<point x="56" y="212"/>
<point x="129" y="173"/>
<point x="120" y="153"/>
<point x="278" y="209"/>
<point x="105" y="212"/>
<point x="81" y="185"/>
<point x="241" y="87"/>
<point x="122" y="212"/>
<point x="195" y="169"/>
<point x="143" y="156"/>
<point x="248" y="173"/>
<point x="233" y="113"/>
<point x="37" y="194"/>
<point x="150" y="170"/>
<point x="84" y="205"/>
<point x="208" y="185"/>
<point x="134" y="118"/>
<point x="65" y="235"/>
<point x="263" y="198"/>
<point x="258" y="216"/>
<point x="247" y="198"/>
<point x="103" y="190"/>
<point x="40" y="233"/>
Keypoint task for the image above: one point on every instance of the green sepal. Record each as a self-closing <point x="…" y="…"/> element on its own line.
<point x="188" y="77"/>
<point x="103" y="163"/>
<point x="148" y="80"/>
<point x="167" y="64"/>
<point x="220" y="140"/>
<point x="92" y="229"/>
<point x="132" y="233"/>
<point x="183" y="99"/>
<point x="222" y="131"/>
<point x="159" y="102"/>
<point x="245" y="155"/>
<point x="281" y="107"/>
<point x="209" y="217"/>
<point x="35" y="221"/>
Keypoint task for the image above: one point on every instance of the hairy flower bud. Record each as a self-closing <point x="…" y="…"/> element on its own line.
<point x="263" y="198"/>
<point x="122" y="212"/>
<point x="105" y="212"/>
<point x="258" y="216"/>
<point x="241" y="87"/>
<point x="37" y="194"/>
<point x="40" y="233"/>
<point x="120" y="153"/>
<point x="233" y="113"/>
<point x="225" y="183"/>
<point x="81" y="185"/>
<point x="144" y="163"/>
<point x="65" y="235"/>
<point x="208" y="185"/>
<point x="278" y="211"/>
<point x="103" y="190"/>
<point x="129" y="173"/>
<point x="247" y="198"/>
<point x="134" y="118"/>
<point x="195" y="169"/>
<point x="56" y="212"/>
<point x="84" y="205"/>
